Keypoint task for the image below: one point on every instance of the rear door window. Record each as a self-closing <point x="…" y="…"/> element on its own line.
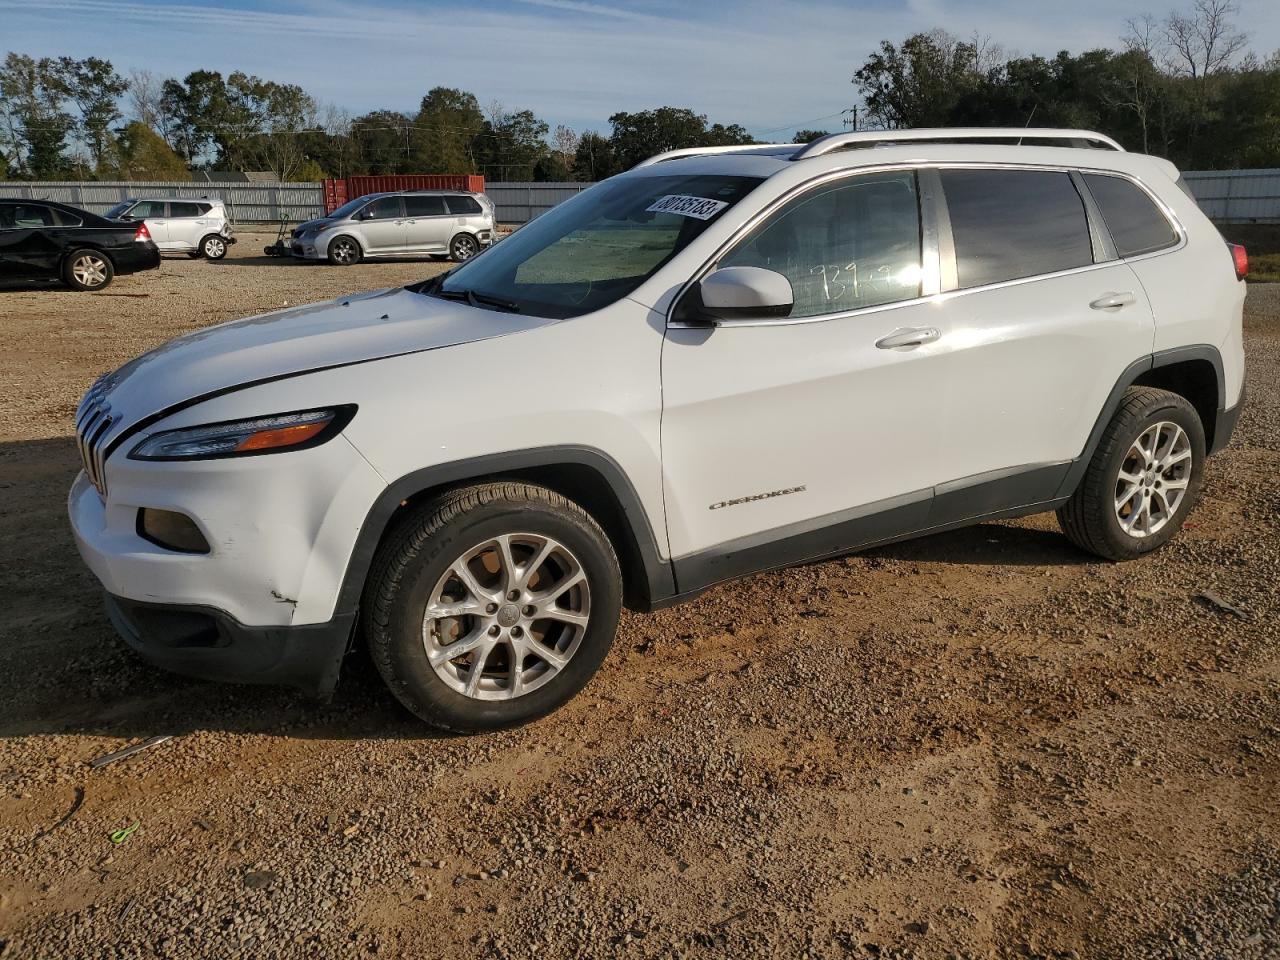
<point x="177" y="209"/>
<point x="424" y="206"/>
<point x="1137" y="225"/>
<point x="1010" y="224"/>
<point x="463" y="206"/>
<point x="24" y="216"/>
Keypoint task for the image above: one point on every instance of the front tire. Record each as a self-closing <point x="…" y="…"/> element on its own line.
<point x="1143" y="480"/>
<point x="88" y="270"/>
<point x="492" y="605"/>
<point x="344" y="252"/>
<point x="213" y="247"/>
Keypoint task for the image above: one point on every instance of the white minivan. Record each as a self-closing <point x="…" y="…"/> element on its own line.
<point x="723" y="361"/>
<point x="196" y="227"/>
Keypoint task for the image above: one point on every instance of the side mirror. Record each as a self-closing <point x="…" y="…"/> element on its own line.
<point x="745" y="293"/>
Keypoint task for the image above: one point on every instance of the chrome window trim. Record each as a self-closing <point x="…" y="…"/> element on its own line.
<point x="942" y="296"/>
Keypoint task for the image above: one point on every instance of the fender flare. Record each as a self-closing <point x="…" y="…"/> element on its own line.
<point x="1162" y="358"/>
<point x="656" y="573"/>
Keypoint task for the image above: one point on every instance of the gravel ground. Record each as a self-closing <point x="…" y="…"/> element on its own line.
<point x="981" y="744"/>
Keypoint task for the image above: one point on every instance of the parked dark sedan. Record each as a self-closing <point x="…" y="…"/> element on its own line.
<point x="41" y="239"/>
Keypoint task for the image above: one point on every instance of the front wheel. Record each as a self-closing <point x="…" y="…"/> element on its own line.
<point x="87" y="270"/>
<point x="213" y="247"/>
<point x="492" y="605"/>
<point x="344" y="252"/>
<point x="463" y="247"/>
<point x="1143" y="480"/>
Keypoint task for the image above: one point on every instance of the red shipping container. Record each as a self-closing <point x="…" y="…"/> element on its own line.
<point x="339" y="191"/>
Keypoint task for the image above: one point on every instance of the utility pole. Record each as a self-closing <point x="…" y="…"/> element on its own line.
<point x="850" y="118"/>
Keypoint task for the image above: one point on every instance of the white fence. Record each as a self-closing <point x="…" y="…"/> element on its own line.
<point x="1227" y="196"/>
<point x="272" y="202"/>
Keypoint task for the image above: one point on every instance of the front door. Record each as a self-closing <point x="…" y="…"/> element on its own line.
<point x="792" y="439"/>
<point x="156" y="215"/>
<point x="29" y="246"/>
<point x="382" y="226"/>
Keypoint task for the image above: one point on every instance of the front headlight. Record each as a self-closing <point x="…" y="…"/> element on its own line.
<point x="242" y="438"/>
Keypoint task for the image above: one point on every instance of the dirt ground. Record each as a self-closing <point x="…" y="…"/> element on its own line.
<point x="982" y="744"/>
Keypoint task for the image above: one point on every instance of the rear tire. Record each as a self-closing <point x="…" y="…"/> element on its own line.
<point x="541" y="620"/>
<point x="1143" y="480"/>
<point x="344" y="252"/>
<point x="87" y="269"/>
<point x="213" y="247"/>
<point x="463" y="247"/>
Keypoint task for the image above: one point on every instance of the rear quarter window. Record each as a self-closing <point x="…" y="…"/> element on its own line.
<point x="1136" y="224"/>
<point x="1010" y="224"/>
<point x="463" y="206"/>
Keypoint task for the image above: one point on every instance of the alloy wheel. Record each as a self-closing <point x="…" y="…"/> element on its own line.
<point x="344" y="251"/>
<point x="1153" y="479"/>
<point x="214" y="248"/>
<point x="507" y="616"/>
<point x="464" y="248"/>
<point x="89" y="270"/>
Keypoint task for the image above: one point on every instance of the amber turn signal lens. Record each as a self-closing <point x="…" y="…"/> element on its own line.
<point x="281" y="436"/>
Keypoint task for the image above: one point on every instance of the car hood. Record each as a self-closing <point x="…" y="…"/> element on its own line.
<point x="287" y="343"/>
<point x="306" y="225"/>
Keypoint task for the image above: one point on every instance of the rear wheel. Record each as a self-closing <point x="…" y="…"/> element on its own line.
<point x="87" y="270"/>
<point x="344" y="252"/>
<point x="213" y="247"/>
<point x="463" y="247"/>
<point x="492" y="606"/>
<point x="1143" y="480"/>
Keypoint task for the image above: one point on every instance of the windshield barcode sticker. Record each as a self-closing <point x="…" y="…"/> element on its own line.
<point x="700" y="208"/>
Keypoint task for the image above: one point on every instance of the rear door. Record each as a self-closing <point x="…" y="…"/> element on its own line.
<point x="187" y="224"/>
<point x="427" y="224"/>
<point x="1043" y="323"/>
<point x="30" y="245"/>
<point x="382" y="226"/>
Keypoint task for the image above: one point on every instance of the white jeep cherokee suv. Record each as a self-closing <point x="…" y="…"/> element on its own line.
<point x="720" y="362"/>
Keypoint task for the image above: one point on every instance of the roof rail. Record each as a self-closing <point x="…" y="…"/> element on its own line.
<point x="838" y="141"/>
<point x="700" y="151"/>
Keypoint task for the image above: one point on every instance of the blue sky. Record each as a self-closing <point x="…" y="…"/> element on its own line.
<point x="771" y="66"/>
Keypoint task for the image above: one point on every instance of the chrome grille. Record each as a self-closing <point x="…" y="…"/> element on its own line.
<point x="93" y="420"/>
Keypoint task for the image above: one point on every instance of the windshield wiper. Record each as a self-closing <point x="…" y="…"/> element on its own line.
<point x="476" y="299"/>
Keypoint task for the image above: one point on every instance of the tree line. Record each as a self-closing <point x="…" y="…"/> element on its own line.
<point x="1185" y="87"/>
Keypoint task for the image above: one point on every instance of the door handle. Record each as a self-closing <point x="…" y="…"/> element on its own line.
<point x="908" y="337"/>
<point x="1113" y="301"/>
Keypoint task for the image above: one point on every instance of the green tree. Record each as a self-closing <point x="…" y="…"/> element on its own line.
<point x="445" y="130"/>
<point x="95" y="88"/>
<point x="593" y="160"/>
<point x="33" y="124"/>
<point x="808" y="136"/>
<point x="638" y="136"/>
<point x="139" y="153"/>
<point x="919" y="83"/>
<point x="384" y="141"/>
<point x="510" y="145"/>
<point x="275" y="119"/>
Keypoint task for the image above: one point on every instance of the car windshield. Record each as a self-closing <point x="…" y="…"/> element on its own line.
<point x="348" y="208"/>
<point x="118" y="209"/>
<point x="596" y="248"/>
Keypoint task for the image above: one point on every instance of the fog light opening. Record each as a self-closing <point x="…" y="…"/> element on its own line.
<point x="171" y="530"/>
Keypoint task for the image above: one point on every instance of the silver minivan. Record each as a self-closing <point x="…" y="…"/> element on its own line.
<point x="196" y="227"/>
<point x="408" y="224"/>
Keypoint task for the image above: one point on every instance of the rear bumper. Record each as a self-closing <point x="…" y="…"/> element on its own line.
<point x="140" y="256"/>
<point x="208" y="644"/>
<point x="1225" y="424"/>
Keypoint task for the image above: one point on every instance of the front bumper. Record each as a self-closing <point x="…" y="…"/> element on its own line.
<point x="210" y="645"/>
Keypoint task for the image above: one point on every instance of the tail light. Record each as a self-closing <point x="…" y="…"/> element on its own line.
<point x="1241" y="258"/>
<point x="143" y="234"/>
